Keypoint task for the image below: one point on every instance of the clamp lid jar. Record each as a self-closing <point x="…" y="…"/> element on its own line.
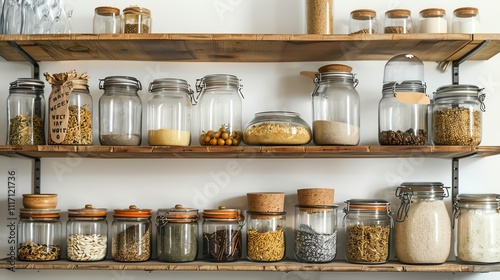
<point x="39" y="235"/>
<point x="131" y="234"/>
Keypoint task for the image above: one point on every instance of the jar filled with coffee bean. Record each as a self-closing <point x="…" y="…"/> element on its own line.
<point x="136" y="20"/>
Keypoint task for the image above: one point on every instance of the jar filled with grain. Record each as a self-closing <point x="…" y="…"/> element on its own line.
<point x="368" y="225"/>
<point x="220" y="101"/>
<point x="26" y="112"/>
<point x="319" y="16"/>
<point x="363" y="21"/>
<point x="169" y="112"/>
<point x="466" y="20"/>
<point x="39" y="236"/>
<point x="477" y="224"/>
<point x="398" y="21"/>
<point x="222" y="230"/>
<point x="87" y="234"/>
<point x="120" y="111"/>
<point x="177" y="234"/>
<point x="107" y="20"/>
<point x="433" y="20"/>
<point x="336" y="106"/>
<point x="136" y="20"/>
<point x="422" y="232"/>
<point x="457" y="115"/>
<point x="131" y="235"/>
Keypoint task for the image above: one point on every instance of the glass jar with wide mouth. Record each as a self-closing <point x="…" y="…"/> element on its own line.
<point x="433" y="20"/>
<point x="422" y="232"/>
<point x="266" y="236"/>
<point x="87" y="234"/>
<point x="177" y="234"/>
<point x="466" y="20"/>
<point x="107" y="20"/>
<point x="398" y="21"/>
<point x="368" y="225"/>
<point x="363" y="21"/>
<point x="136" y="20"/>
<point x="131" y="235"/>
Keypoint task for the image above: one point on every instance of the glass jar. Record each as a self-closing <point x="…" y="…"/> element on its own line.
<point x="319" y="15"/>
<point x="120" y="111"/>
<point x="169" y="112"/>
<point x="315" y="233"/>
<point x="266" y="236"/>
<point x="336" y="106"/>
<point x="131" y="239"/>
<point x="222" y="234"/>
<point x="177" y="234"/>
<point x="363" y="21"/>
<point x="136" y="20"/>
<point x="39" y="235"/>
<point x="477" y="234"/>
<point x="422" y="232"/>
<point x="466" y="20"/>
<point x="107" y="20"/>
<point x="220" y="100"/>
<point x="87" y="234"/>
<point x="457" y="115"/>
<point x="277" y="128"/>
<point x="398" y="21"/>
<point x="368" y="225"/>
<point x="433" y="21"/>
<point x="26" y="112"/>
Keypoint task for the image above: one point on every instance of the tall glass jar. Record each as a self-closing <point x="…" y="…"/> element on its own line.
<point x="177" y="234"/>
<point x="26" y="112"/>
<point x="398" y="21"/>
<point x="87" y="234"/>
<point x="120" y="111"/>
<point x="477" y="228"/>
<point x="107" y="20"/>
<point x="336" y="106"/>
<point x="319" y="15"/>
<point x="222" y="234"/>
<point x="368" y="225"/>
<point x="169" y="112"/>
<point x="136" y="20"/>
<point x="422" y="232"/>
<point x="220" y="101"/>
<point x="39" y="235"/>
<point x="457" y="115"/>
<point x="266" y="236"/>
<point x="363" y="21"/>
<point x="466" y="20"/>
<point x="131" y="235"/>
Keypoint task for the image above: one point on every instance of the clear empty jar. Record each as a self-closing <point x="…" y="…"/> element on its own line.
<point x="107" y="20"/>
<point x="398" y="21"/>
<point x="39" y="235"/>
<point x="363" y="21"/>
<point x="433" y="21"/>
<point x="131" y="235"/>
<point x="466" y="20"/>
<point x="136" y="20"/>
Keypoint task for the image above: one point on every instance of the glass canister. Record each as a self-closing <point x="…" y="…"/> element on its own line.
<point x="222" y="234"/>
<point x="220" y="101"/>
<point x="177" y="234"/>
<point x="368" y="224"/>
<point x="433" y="20"/>
<point x="422" y="232"/>
<point x="477" y="228"/>
<point x="26" y="112"/>
<point x="107" y="20"/>
<point x="39" y="235"/>
<point x="120" y="111"/>
<point x="457" y="115"/>
<point x="136" y="20"/>
<point x="336" y="106"/>
<point x="169" y="112"/>
<point x="398" y="21"/>
<point x="131" y="235"/>
<point x="363" y="21"/>
<point x="466" y="20"/>
<point x="319" y="16"/>
<point x="87" y="234"/>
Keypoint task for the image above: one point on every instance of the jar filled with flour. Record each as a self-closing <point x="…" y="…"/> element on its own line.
<point x="423" y="226"/>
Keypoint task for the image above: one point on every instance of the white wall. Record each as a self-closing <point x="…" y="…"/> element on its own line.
<point x="163" y="183"/>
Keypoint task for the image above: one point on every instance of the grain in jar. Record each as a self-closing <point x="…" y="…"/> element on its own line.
<point x="131" y="235"/>
<point x="433" y="20"/>
<point x="363" y="21"/>
<point x="319" y="16"/>
<point x="398" y="21"/>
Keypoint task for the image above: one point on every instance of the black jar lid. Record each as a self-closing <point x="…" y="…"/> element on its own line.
<point x="27" y="84"/>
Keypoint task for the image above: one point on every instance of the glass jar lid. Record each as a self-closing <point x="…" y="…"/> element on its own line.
<point x="398" y="13"/>
<point x="466" y="12"/>
<point x="119" y="81"/>
<point x="87" y="212"/>
<point x="333" y="71"/>
<point x="169" y="83"/>
<point x="39" y="213"/>
<point x="466" y="92"/>
<point x="107" y="11"/>
<point x="405" y="86"/>
<point x="403" y="67"/>
<point x="218" y="79"/>
<point x="432" y="12"/>
<point x="367" y="205"/>
<point x="136" y="10"/>
<point x="223" y="213"/>
<point x="132" y="212"/>
<point x="177" y="214"/>
<point x="27" y="85"/>
<point x="363" y="14"/>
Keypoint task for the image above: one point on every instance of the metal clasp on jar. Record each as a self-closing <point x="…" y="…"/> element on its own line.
<point x="481" y="95"/>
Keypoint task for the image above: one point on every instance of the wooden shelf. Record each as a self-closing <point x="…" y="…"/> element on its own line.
<point x="245" y="47"/>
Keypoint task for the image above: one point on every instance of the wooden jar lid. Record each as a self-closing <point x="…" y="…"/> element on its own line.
<point x="363" y="14"/>
<point x="335" y="68"/>
<point x="266" y="202"/>
<point x="315" y="196"/>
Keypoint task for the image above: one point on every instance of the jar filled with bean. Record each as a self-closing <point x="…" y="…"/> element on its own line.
<point x="131" y="235"/>
<point x="39" y="235"/>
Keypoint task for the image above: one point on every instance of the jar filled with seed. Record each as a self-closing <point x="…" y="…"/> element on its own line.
<point x="177" y="234"/>
<point x="368" y="224"/>
<point x="222" y="230"/>
<point x="398" y="21"/>
<point x="266" y="223"/>
<point x="131" y="235"/>
<point x="363" y="21"/>
<point x="136" y="20"/>
<point x="26" y="112"/>
<point x="319" y="15"/>
<point x="457" y="115"/>
<point x="87" y="234"/>
<point x="39" y="235"/>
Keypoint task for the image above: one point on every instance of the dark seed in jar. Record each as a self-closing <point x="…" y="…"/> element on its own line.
<point x="409" y="137"/>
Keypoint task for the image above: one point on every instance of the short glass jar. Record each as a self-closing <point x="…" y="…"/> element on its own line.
<point x="457" y="115"/>
<point x="422" y="232"/>
<point x="120" y="111"/>
<point x="136" y="20"/>
<point x="319" y="15"/>
<point x="177" y="234"/>
<point x="368" y="225"/>
<point x="87" y="234"/>
<point x="39" y="236"/>
<point x="266" y="236"/>
<point x="398" y="21"/>
<point x="131" y="235"/>
<point x="466" y="20"/>
<point x="363" y="21"/>
<point x="277" y="128"/>
<point x="433" y="20"/>
<point x="107" y="20"/>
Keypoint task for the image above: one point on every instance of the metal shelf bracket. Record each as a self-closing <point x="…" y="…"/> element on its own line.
<point x="25" y="55"/>
<point x="456" y="64"/>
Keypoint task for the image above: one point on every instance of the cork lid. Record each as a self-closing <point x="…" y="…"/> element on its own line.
<point x="315" y="196"/>
<point x="432" y="12"/>
<point x="136" y="10"/>
<point x="266" y="202"/>
<point x="466" y="12"/>
<point x="107" y="11"/>
<point x="335" y="68"/>
<point x="87" y="211"/>
<point x="363" y="14"/>
<point x="398" y="13"/>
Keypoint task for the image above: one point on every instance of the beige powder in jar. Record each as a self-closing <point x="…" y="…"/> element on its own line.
<point x="335" y="133"/>
<point x="168" y="137"/>
<point x="276" y="133"/>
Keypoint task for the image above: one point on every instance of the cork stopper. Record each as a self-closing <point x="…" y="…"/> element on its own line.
<point x="266" y="202"/>
<point x="466" y="12"/>
<point x="363" y="14"/>
<point x="432" y="12"/>
<point x="315" y="196"/>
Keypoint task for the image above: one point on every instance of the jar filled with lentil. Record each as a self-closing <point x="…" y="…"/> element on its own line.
<point x="177" y="234"/>
<point x="319" y="16"/>
<point x="87" y="234"/>
<point x="457" y="115"/>
<point x="136" y="20"/>
<point x="131" y="235"/>
<point x="398" y="21"/>
<point x="422" y="232"/>
<point x="26" y="112"/>
<point x="368" y="224"/>
<point x="39" y="236"/>
<point x="363" y="21"/>
<point x="120" y="111"/>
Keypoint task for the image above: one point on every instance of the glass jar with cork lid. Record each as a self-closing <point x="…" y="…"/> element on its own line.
<point x="398" y="21"/>
<point x="433" y="20"/>
<point x="363" y="21"/>
<point x="131" y="234"/>
<point x="136" y="20"/>
<point x="107" y="20"/>
<point x="466" y="20"/>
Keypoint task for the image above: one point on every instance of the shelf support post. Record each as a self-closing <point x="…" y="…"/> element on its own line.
<point x="36" y="176"/>
<point x="454" y="178"/>
<point x="456" y="64"/>
<point x="25" y="55"/>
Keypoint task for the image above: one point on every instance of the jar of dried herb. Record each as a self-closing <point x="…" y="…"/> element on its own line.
<point x="26" y="112"/>
<point x="131" y="235"/>
<point x="136" y="20"/>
